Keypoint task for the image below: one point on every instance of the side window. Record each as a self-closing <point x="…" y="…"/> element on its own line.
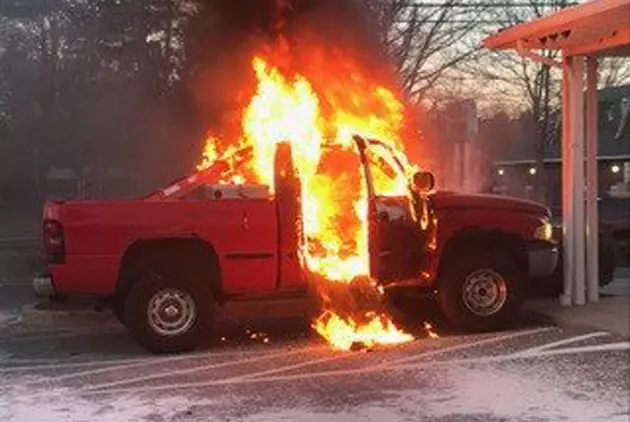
<point x="386" y="176"/>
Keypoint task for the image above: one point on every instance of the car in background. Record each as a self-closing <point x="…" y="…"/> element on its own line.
<point x="608" y="260"/>
<point x="614" y="217"/>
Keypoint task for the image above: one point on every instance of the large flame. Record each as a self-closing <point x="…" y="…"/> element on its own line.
<point x="320" y="125"/>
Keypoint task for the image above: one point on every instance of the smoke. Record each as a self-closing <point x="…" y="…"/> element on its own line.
<point x="344" y="23"/>
<point x="309" y="34"/>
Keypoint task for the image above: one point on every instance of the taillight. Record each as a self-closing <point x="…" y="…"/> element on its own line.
<point x="53" y="241"/>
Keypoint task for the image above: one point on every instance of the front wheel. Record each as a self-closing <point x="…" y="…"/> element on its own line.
<point x="166" y="316"/>
<point x="481" y="291"/>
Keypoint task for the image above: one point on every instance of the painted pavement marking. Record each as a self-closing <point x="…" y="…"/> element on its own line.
<point x="373" y="368"/>
<point x="308" y="362"/>
<point x="610" y="347"/>
<point x="494" y="339"/>
<point x="565" y="341"/>
<point x="130" y="366"/>
<point x="50" y="364"/>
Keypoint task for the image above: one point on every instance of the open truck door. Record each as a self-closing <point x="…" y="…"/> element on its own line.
<point x="399" y="225"/>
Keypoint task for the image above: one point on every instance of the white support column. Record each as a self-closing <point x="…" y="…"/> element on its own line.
<point x="567" y="189"/>
<point x="576" y="98"/>
<point x="592" y="220"/>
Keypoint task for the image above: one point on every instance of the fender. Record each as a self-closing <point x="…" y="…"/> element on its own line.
<point x="190" y="249"/>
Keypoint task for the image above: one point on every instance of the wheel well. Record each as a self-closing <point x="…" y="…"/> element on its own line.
<point x="477" y="239"/>
<point x="189" y="252"/>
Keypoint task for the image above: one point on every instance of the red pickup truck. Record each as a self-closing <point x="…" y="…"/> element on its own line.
<point x="171" y="261"/>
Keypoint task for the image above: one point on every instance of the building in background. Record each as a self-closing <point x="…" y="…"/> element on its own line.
<point x="457" y="158"/>
<point x="516" y="173"/>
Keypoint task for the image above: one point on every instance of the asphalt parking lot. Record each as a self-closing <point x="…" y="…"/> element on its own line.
<point x="281" y="371"/>
<point x="534" y="372"/>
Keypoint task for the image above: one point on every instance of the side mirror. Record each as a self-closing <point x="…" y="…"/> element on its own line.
<point x="423" y="181"/>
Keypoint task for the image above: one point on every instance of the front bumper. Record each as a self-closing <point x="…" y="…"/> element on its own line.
<point x="44" y="286"/>
<point x="542" y="258"/>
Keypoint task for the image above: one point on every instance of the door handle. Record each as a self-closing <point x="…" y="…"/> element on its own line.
<point x="245" y="221"/>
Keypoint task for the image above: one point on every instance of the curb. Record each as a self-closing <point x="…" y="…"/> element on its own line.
<point x="562" y="323"/>
<point x="544" y="318"/>
<point x="568" y="321"/>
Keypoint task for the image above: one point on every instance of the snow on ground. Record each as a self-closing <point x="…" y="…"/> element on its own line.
<point x="476" y="394"/>
<point x="516" y="391"/>
<point x="63" y="406"/>
<point x="463" y="393"/>
<point x="6" y="317"/>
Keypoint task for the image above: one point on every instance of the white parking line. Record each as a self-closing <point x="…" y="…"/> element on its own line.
<point x="165" y="360"/>
<point x="609" y="347"/>
<point x="291" y="367"/>
<point x="50" y="364"/>
<point x="374" y="368"/>
<point x="483" y="342"/>
<point x="564" y="341"/>
<point x="275" y="370"/>
<point x="620" y="346"/>
<point x="226" y="364"/>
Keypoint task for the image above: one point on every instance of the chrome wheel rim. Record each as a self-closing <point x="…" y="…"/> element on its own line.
<point x="171" y="312"/>
<point x="484" y="292"/>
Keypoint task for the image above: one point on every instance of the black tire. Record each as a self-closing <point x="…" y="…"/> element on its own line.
<point x="162" y="282"/>
<point x="462" y="272"/>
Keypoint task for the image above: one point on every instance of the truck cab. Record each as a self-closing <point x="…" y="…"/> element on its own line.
<point x="475" y="254"/>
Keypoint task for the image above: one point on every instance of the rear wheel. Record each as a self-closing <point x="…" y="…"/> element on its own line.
<point x="481" y="291"/>
<point x="166" y="313"/>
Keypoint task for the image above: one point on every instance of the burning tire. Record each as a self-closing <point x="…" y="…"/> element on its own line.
<point x="168" y="312"/>
<point x="480" y="292"/>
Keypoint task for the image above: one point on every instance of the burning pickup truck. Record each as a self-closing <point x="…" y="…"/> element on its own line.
<point x="171" y="262"/>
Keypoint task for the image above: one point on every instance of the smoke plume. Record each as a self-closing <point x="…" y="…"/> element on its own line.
<point x="309" y="33"/>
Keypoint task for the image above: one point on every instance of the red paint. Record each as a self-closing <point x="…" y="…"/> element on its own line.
<point x="97" y="235"/>
<point x="459" y="212"/>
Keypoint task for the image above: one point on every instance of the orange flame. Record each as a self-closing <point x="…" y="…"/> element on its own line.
<point x="428" y="327"/>
<point x="287" y="108"/>
<point x="342" y="333"/>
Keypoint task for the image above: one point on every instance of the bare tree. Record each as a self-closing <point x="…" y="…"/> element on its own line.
<point x="91" y="84"/>
<point x="614" y="71"/>
<point x="534" y="86"/>
<point x="426" y="40"/>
